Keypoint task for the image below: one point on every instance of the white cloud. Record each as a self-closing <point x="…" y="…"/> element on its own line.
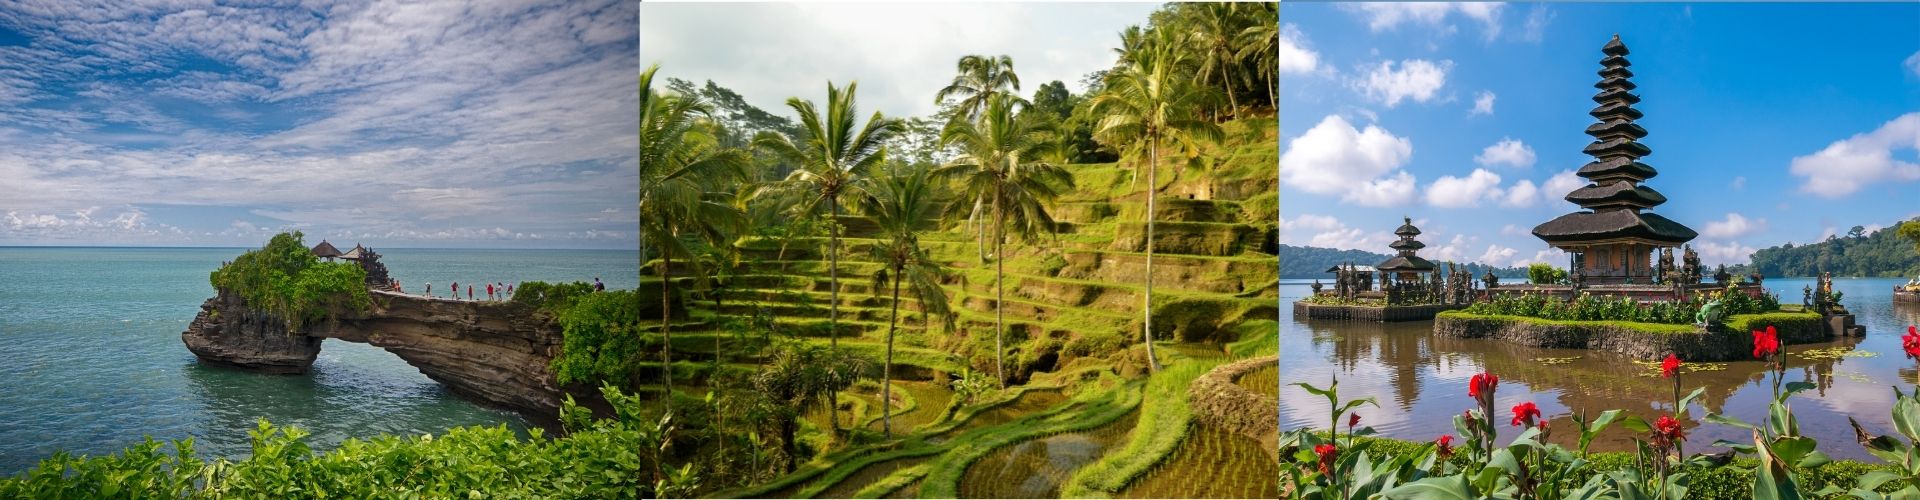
<point x="1538" y="17"/>
<point x="1416" y="79"/>
<point x="1497" y="255"/>
<point x="1294" y="54"/>
<point x="900" y="52"/>
<point x="1848" y="165"/>
<point x="1557" y="187"/>
<point x="1333" y="157"/>
<point x="1734" y="226"/>
<point x="1510" y="152"/>
<point x="1715" y="253"/>
<point x="1739" y="182"/>
<point x="1483" y="103"/>
<point x="1549" y="256"/>
<point x="1383" y="16"/>
<point x="1458" y="192"/>
<point x="1523" y="194"/>
<point x="1513" y="230"/>
<point x="1913" y="63"/>
<point x="1328" y="232"/>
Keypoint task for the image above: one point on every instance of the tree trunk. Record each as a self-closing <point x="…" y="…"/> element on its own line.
<point x="786" y="442"/>
<point x="886" y="372"/>
<point x="666" y="326"/>
<point x="1273" y="99"/>
<point x="1153" y="160"/>
<point x="833" y="311"/>
<point x="1232" y="103"/>
<point x="1000" y="286"/>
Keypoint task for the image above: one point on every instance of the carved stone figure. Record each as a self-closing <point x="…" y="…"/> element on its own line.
<point x="1316" y="287"/>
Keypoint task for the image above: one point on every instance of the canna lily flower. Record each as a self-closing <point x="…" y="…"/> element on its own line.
<point x="1327" y="454"/>
<point x="1525" y="413"/>
<point x="1670" y="367"/>
<point x="1445" y="444"/>
<point x="1765" y="343"/>
<point x="1481" y="386"/>
<point x="1667" y="431"/>
<point x="1353" y="420"/>
<point x="1911" y="342"/>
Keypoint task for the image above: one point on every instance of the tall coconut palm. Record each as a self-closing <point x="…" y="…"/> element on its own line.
<point x="902" y="203"/>
<point x="1213" y="31"/>
<point x="682" y="169"/>
<point x="980" y="79"/>
<point x="1260" y="45"/>
<point x="829" y="163"/>
<point x="1148" y="100"/>
<point x="999" y="163"/>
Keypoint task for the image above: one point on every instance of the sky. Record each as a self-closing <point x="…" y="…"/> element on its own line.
<point x="444" y="124"/>
<point x="901" y="54"/>
<point x="1769" y="123"/>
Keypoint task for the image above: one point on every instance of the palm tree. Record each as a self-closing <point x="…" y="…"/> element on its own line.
<point x="999" y="164"/>
<point x="902" y="204"/>
<point x="1260" y="43"/>
<point x="793" y="382"/>
<point x="681" y="165"/>
<point x="1213" y="31"/>
<point x="1148" y="100"/>
<point x="980" y="79"/>
<point x="829" y="164"/>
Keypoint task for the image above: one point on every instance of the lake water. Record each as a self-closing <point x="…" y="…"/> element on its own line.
<point x="91" y="359"/>
<point x="1420" y="380"/>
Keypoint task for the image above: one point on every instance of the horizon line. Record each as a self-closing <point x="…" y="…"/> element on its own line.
<point x="635" y="249"/>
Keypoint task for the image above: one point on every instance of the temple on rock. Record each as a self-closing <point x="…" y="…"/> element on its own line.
<point x="326" y="250"/>
<point x="1407" y="266"/>
<point x="1613" y="240"/>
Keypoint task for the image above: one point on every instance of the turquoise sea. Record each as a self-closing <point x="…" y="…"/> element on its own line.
<point x="91" y="359"/>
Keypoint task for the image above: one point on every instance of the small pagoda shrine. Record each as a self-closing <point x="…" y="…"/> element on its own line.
<point x="1612" y="241"/>
<point x="1407" y="266"/>
<point x="326" y="250"/>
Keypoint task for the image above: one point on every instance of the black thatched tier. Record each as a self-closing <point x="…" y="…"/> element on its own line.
<point x="1404" y="263"/>
<point x="1616" y="128"/>
<point x="1617" y="148"/>
<point x="1616" y="194"/>
<point x="1613" y="224"/>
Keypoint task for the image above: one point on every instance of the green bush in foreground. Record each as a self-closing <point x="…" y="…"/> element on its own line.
<point x="285" y="279"/>
<point x="598" y="459"/>
<point x="1587" y="307"/>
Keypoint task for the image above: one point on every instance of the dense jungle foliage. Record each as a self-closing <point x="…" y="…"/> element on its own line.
<point x="285" y="279"/>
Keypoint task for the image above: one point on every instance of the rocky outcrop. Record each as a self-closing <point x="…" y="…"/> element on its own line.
<point x="493" y="352"/>
<point x="1220" y="403"/>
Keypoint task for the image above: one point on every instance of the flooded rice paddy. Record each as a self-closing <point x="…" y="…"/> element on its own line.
<point x="1037" y="468"/>
<point x="1212" y="463"/>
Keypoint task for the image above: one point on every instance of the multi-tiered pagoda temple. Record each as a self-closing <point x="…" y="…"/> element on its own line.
<point x="1613" y="240"/>
<point x="1407" y="265"/>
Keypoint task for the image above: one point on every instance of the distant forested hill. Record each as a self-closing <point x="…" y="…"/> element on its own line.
<point x="1882" y="253"/>
<point x="1312" y="262"/>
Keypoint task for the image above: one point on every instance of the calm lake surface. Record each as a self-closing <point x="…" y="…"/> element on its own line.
<point x="91" y="359"/>
<point x="1420" y="380"/>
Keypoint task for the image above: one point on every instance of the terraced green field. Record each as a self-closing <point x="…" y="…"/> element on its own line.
<point x="1072" y="309"/>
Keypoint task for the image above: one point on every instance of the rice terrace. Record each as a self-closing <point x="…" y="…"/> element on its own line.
<point x="1030" y="290"/>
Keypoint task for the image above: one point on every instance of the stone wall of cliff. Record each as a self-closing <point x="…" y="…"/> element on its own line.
<point x="494" y="352"/>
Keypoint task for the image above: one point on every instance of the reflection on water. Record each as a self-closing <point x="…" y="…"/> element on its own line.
<point x="1420" y="379"/>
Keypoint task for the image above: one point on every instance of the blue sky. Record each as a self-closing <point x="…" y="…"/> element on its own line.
<point x="1769" y="123"/>
<point x="443" y="124"/>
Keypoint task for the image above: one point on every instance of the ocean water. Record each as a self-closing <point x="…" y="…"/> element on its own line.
<point x="91" y="358"/>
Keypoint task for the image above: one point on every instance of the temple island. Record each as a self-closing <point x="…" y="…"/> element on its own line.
<point x="1623" y="290"/>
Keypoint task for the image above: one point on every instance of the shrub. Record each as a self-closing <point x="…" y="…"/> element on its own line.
<point x="286" y="280"/>
<point x="1545" y="274"/>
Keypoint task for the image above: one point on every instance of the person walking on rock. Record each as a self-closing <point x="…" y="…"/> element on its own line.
<point x="456" y="290"/>
<point x="429" y="289"/>
<point x="598" y="286"/>
<point x="489" y="291"/>
<point x="469" y="291"/>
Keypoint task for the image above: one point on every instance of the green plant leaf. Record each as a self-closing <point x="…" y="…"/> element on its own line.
<point x="1435" y="488"/>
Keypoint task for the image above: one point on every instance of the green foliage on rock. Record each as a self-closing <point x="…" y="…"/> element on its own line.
<point x="601" y="330"/>
<point x="285" y="279"/>
<point x="1593" y="308"/>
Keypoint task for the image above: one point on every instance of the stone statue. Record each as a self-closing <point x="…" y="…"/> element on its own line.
<point x="1664" y="272"/>
<point x="1691" y="272"/>
<point x="1806" y="296"/>
<point x="1316" y="286"/>
<point x="1721" y="276"/>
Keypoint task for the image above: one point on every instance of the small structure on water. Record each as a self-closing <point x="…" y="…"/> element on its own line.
<point x="1411" y="288"/>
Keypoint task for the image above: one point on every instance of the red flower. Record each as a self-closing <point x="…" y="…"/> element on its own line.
<point x="1525" y="413"/>
<point x="1327" y="454"/>
<point x="1353" y="419"/>
<point x="1911" y="342"/>
<point x="1670" y="367"/>
<point x="1446" y="446"/>
<point x="1667" y="431"/>
<point x="1481" y="386"/>
<point x="1765" y="343"/>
